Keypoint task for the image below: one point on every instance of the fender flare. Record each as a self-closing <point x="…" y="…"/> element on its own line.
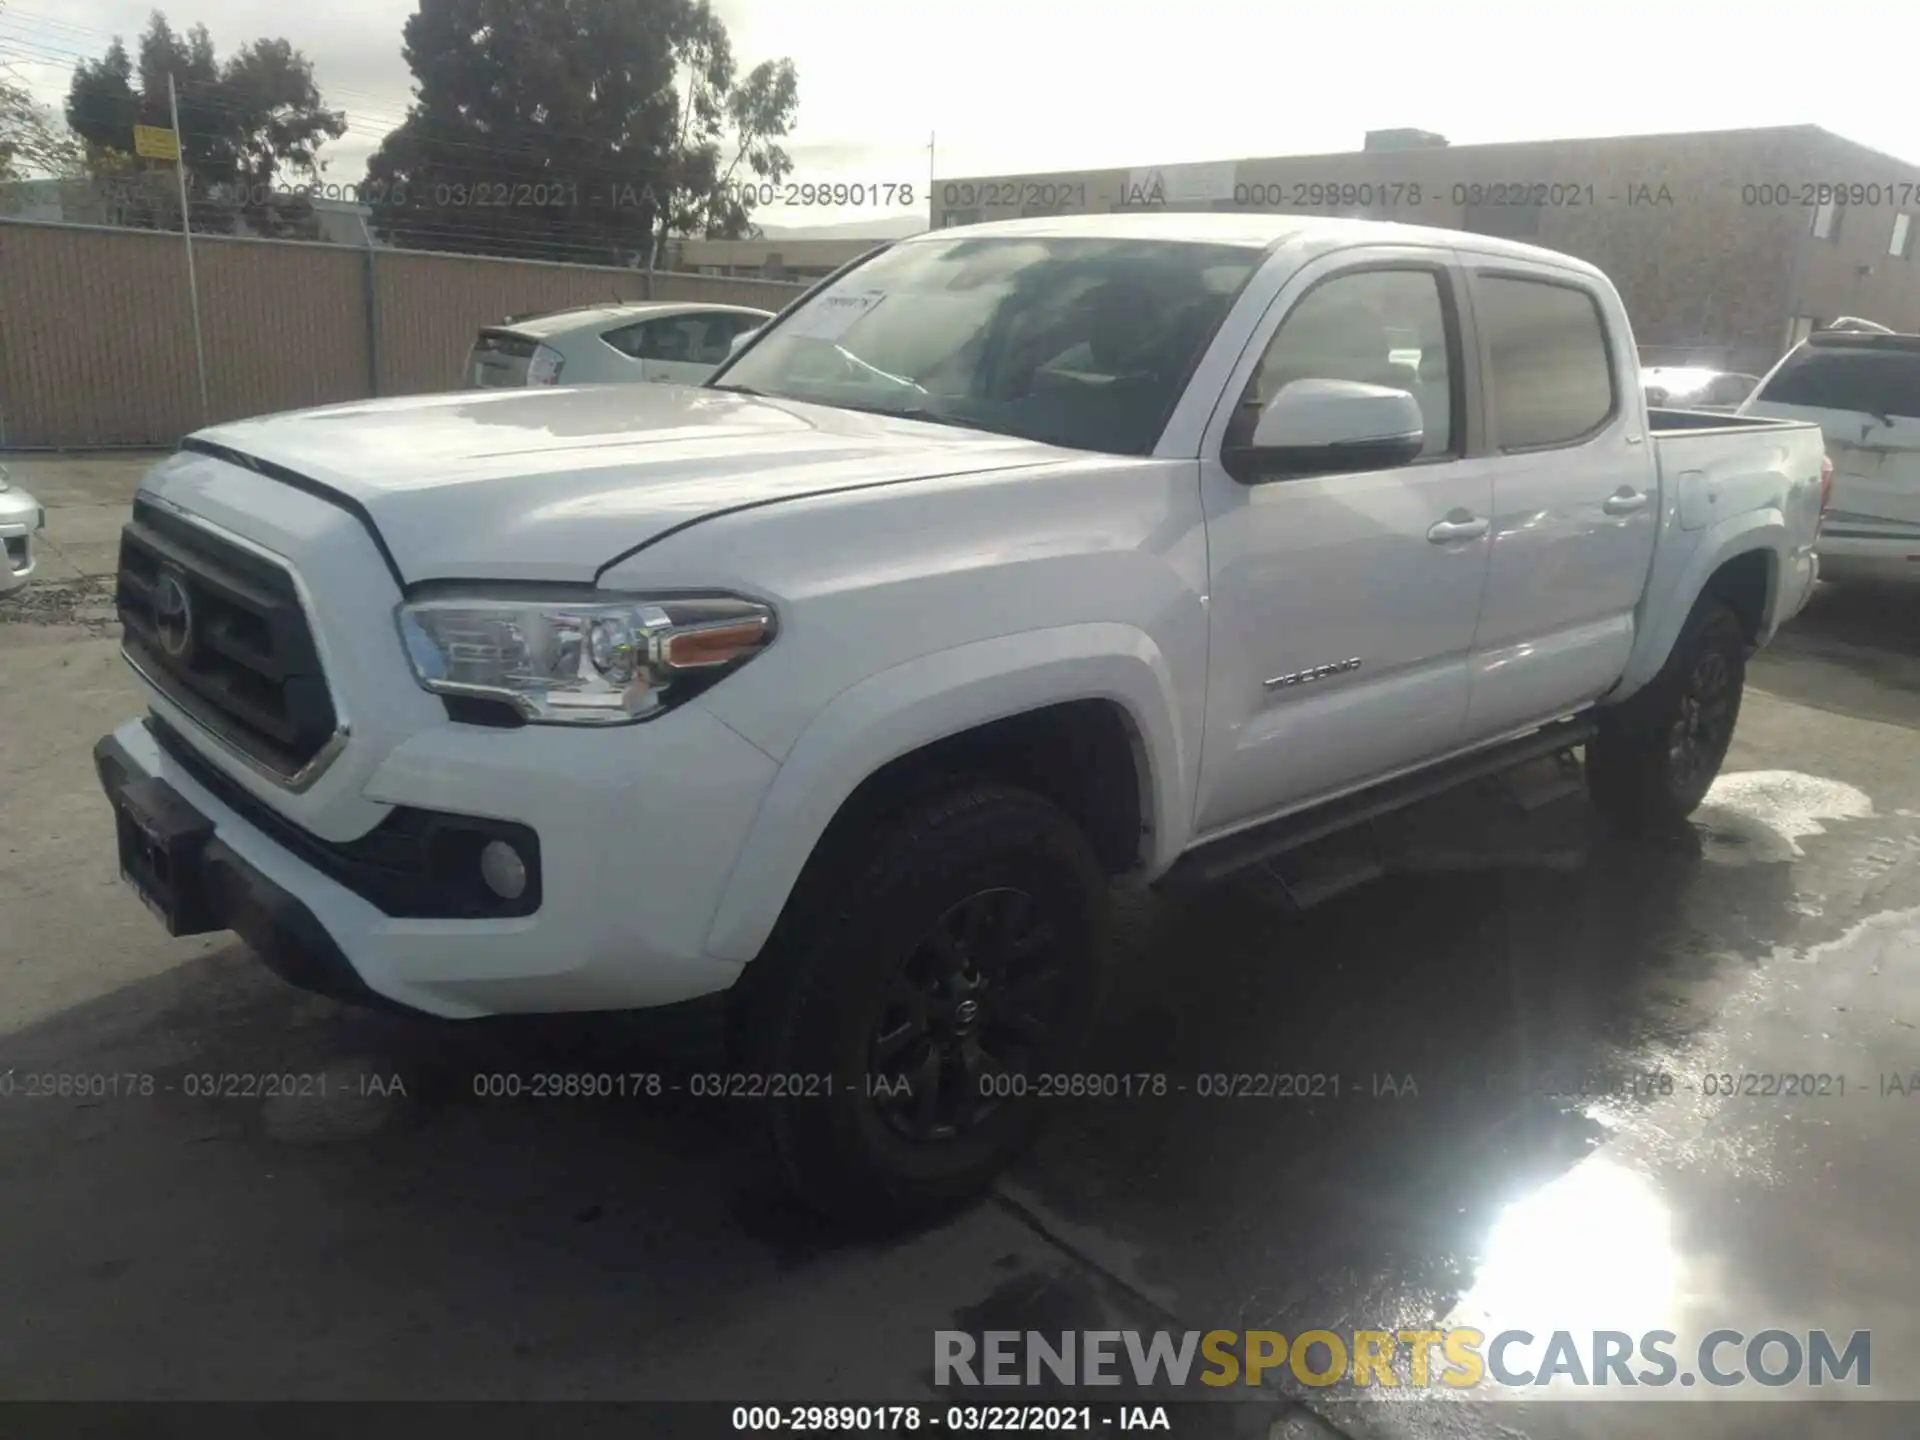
<point x="1764" y="530"/>
<point x="908" y="706"/>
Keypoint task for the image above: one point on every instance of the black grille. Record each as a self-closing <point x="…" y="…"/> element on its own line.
<point x="244" y="665"/>
<point x="420" y="864"/>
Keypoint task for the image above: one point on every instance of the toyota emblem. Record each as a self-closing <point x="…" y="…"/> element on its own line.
<point x="173" y="615"/>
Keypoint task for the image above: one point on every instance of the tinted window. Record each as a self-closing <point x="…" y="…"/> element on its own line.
<point x="687" y="338"/>
<point x="1548" y="369"/>
<point x="1870" y="382"/>
<point x="721" y="329"/>
<point x="1082" y="342"/>
<point x="1381" y="327"/>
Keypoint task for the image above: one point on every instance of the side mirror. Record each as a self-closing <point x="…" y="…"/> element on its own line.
<point x="733" y="345"/>
<point x="1317" y="427"/>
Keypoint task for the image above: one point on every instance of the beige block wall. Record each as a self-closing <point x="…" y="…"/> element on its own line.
<point x="96" y="329"/>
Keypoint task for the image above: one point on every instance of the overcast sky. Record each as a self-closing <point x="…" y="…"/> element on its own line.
<point x="1058" y="84"/>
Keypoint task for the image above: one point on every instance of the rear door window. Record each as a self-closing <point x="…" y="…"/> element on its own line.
<point x="1547" y="361"/>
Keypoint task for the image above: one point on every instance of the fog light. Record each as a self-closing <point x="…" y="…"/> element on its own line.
<point x="503" y="870"/>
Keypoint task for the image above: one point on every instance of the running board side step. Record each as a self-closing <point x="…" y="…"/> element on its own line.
<point x="1210" y="863"/>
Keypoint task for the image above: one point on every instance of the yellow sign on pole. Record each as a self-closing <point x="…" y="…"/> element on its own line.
<point x="155" y="142"/>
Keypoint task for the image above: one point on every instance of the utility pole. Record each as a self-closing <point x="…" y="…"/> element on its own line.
<point x="932" y="210"/>
<point x="186" y="231"/>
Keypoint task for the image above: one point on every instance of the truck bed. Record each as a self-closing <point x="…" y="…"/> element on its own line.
<point x="1721" y="474"/>
<point x="1662" y="421"/>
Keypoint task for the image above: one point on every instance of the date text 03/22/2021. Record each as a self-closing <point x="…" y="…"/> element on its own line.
<point x="951" y="1419"/>
<point x="1077" y="1085"/>
<point x="1282" y="194"/>
<point x="198" y="1085"/>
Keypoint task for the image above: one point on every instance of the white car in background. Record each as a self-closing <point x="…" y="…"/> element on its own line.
<point x="1861" y="386"/>
<point x="1694" y="387"/>
<point x="616" y="344"/>
<point x="21" y="519"/>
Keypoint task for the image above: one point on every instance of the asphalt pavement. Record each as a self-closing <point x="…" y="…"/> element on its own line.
<point x="1487" y="1137"/>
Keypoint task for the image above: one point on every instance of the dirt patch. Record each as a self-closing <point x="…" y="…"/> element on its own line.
<point x="86" y="603"/>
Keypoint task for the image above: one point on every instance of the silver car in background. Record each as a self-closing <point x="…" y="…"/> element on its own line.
<point x="616" y="344"/>
<point x="21" y="520"/>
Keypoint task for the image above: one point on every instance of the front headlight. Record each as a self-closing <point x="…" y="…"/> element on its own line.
<point x="604" y="660"/>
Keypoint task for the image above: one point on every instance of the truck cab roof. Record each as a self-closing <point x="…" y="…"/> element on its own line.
<point x="1311" y="234"/>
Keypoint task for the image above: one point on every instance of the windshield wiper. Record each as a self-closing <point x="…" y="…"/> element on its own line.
<point x="740" y="390"/>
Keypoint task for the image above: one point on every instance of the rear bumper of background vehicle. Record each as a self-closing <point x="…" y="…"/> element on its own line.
<point x="637" y="834"/>
<point x="21" y="520"/>
<point x="1877" y="559"/>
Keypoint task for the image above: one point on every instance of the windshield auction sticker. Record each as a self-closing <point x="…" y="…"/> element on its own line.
<point x="831" y="315"/>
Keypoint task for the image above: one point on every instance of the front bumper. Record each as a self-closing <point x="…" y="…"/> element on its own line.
<point x="638" y="830"/>
<point x="21" y="521"/>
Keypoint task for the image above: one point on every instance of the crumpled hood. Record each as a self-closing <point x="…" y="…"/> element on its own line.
<point x="552" y="484"/>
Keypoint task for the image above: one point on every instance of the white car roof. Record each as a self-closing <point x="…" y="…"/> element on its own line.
<point x="1309" y="233"/>
<point x="564" y="322"/>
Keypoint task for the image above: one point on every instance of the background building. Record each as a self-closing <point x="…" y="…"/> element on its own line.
<point x="1726" y="245"/>
<point x="772" y="258"/>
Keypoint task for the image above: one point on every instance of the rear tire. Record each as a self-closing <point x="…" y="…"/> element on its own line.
<point x="1656" y="756"/>
<point x="916" y="988"/>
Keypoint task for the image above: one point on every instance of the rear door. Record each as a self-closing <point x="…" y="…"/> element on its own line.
<point x="1864" y="395"/>
<point x="1574" y="502"/>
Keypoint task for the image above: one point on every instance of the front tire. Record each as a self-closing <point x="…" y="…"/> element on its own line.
<point x="1656" y="757"/>
<point x="924" y="983"/>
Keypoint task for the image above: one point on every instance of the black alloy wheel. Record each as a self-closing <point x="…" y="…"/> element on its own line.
<point x="960" y="1021"/>
<point x="932" y="963"/>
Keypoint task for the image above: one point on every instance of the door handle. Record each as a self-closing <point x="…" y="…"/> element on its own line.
<point x="1624" y="502"/>
<point x="1450" y="530"/>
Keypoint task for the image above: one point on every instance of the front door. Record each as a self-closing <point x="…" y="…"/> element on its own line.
<point x="1343" y="606"/>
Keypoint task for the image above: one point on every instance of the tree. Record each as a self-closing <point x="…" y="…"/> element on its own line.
<point x="575" y="129"/>
<point x="697" y="193"/>
<point x="33" y="139"/>
<point x="247" y="128"/>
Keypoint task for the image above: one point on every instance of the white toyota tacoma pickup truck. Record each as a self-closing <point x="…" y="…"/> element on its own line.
<point x="1008" y="563"/>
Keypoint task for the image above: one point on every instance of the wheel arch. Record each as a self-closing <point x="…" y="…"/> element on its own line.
<point x="1084" y="714"/>
<point x="1741" y="562"/>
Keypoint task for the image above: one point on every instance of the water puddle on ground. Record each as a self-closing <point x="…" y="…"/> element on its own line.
<point x="1759" y="817"/>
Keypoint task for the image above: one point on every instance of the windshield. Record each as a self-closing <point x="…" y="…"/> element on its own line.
<point x="1082" y="342"/>
<point x="1868" y="382"/>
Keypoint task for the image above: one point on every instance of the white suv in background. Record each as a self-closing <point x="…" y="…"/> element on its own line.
<point x="1862" y="389"/>
<point x="609" y="345"/>
<point x="21" y="520"/>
